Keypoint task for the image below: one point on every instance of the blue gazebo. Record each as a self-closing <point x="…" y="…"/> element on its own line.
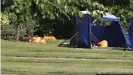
<point x="88" y="32"/>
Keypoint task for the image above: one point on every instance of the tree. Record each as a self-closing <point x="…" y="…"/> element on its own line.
<point x="131" y="5"/>
<point x="19" y="14"/>
<point x="43" y="15"/>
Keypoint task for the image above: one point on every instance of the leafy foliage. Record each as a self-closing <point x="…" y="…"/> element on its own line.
<point x="5" y="18"/>
<point x="120" y="8"/>
<point x="54" y="16"/>
<point x="7" y="32"/>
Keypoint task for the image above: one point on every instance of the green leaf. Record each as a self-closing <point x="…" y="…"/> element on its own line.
<point x="13" y="6"/>
<point x="59" y="2"/>
<point x="17" y="11"/>
<point x="52" y="16"/>
<point x="26" y="18"/>
<point x="37" y="1"/>
<point x="42" y="6"/>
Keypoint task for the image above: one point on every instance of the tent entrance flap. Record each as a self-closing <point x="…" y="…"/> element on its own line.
<point x="82" y="40"/>
<point x="114" y="34"/>
<point x="131" y="33"/>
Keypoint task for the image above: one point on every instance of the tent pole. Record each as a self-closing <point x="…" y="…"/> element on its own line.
<point x="69" y="39"/>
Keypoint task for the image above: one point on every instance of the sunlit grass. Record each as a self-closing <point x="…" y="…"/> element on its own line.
<point x="22" y="58"/>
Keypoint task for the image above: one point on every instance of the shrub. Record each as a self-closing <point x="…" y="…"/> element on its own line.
<point x="8" y="32"/>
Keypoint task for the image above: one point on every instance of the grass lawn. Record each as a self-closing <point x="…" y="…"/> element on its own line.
<point x="23" y="58"/>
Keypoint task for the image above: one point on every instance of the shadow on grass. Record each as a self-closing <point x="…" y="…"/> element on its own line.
<point x="120" y="48"/>
<point x="115" y="74"/>
<point x="69" y="73"/>
<point x="112" y="48"/>
<point x="11" y="72"/>
<point x="85" y="73"/>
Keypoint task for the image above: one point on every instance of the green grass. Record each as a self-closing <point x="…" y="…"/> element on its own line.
<point x="22" y="58"/>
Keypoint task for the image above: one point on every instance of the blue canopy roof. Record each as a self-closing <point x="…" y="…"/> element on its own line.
<point x="106" y="16"/>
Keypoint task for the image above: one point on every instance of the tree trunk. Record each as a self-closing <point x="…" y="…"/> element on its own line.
<point x="17" y="32"/>
<point x="131" y="4"/>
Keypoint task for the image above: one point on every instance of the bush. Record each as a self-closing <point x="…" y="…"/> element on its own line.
<point x="8" y="32"/>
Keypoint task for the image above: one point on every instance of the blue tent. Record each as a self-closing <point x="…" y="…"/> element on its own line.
<point x="82" y="28"/>
<point x="131" y="32"/>
<point x="88" y="33"/>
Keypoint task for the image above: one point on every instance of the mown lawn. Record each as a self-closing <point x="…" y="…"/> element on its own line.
<point x="22" y="58"/>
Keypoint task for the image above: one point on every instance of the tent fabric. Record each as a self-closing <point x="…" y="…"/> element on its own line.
<point x="82" y="27"/>
<point x="83" y="30"/>
<point x="131" y="33"/>
<point x="93" y="38"/>
<point x="128" y="44"/>
<point x="110" y="17"/>
<point x="114" y="33"/>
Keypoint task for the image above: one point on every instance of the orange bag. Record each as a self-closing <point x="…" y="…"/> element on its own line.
<point x="42" y="41"/>
<point x="49" y="38"/>
<point x="37" y="39"/>
<point x="103" y="44"/>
